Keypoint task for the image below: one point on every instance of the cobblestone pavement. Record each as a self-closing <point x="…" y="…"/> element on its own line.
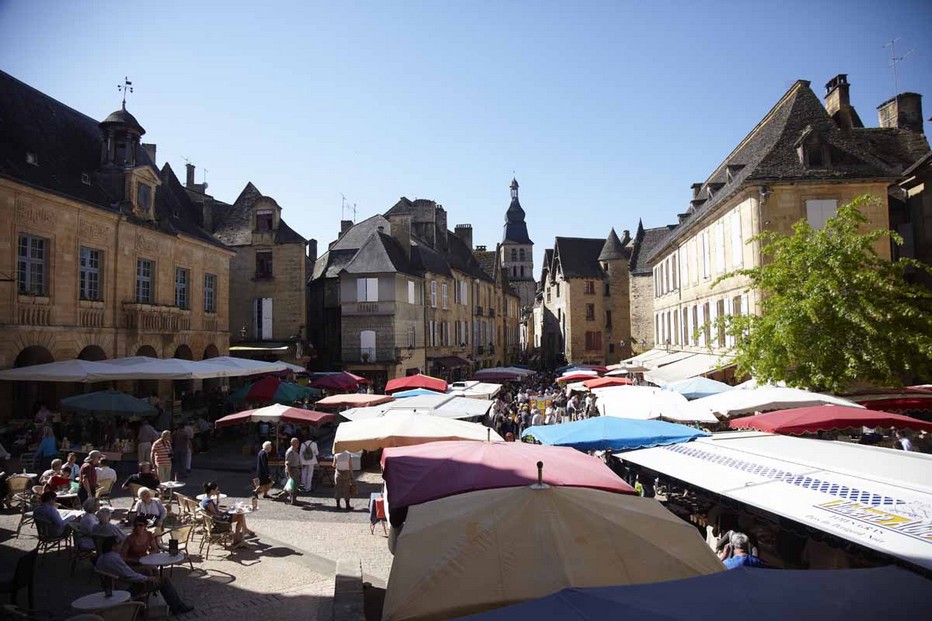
<point x="287" y="574"/>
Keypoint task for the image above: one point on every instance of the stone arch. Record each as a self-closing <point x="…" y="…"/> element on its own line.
<point x="182" y="388"/>
<point x="26" y="395"/>
<point x="183" y="352"/>
<point x="93" y="353"/>
<point x="148" y="351"/>
<point x="211" y="351"/>
<point x="211" y="385"/>
<point x="146" y="388"/>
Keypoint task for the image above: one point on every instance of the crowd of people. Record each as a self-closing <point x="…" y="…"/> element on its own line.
<point x="538" y="400"/>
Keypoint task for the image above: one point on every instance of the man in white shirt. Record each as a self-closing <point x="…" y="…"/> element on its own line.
<point x="105" y="472"/>
<point x="537" y="419"/>
<point x="309" y="453"/>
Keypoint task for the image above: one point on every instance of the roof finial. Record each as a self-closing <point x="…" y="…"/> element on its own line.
<point x="126" y="86"/>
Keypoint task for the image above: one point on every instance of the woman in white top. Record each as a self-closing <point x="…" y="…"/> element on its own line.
<point x="150" y="507"/>
<point x="343" y="477"/>
<point x="86" y="524"/>
<point x="105" y="528"/>
<point x="308" y="455"/>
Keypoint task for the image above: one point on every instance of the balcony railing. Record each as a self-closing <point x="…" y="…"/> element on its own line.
<point x="372" y="355"/>
<point x="34" y="310"/>
<point x="155" y="318"/>
<point x="91" y="314"/>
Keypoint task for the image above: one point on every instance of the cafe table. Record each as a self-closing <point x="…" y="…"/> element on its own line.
<point x="161" y="559"/>
<point x="100" y="601"/>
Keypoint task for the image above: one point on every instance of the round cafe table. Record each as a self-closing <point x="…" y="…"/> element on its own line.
<point x="220" y="496"/>
<point x="99" y="600"/>
<point x="238" y="510"/>
<point x="171" y="486"/>
<point x="160" y="560"/>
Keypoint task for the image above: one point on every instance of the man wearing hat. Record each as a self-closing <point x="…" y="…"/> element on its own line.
<point x="87" y="477"/>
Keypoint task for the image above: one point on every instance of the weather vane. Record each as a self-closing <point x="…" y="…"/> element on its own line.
<point x="126" y="86"/>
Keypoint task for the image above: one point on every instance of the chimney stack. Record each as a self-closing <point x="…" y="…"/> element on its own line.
<point x="312" y="249"/>
<point x="345" y="225"/>
<point x="150" y="149"/>
<point x="464" y="232"/>
<point x="401" y="231"/>
<point x="189" y="177"/>
<point x="902" y="112"/>
<point x="838" y="103"/>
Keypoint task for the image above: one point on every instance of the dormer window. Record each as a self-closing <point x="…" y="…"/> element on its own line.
<point x="32" y="158"/>
<point x="264" y="220"/>
<point x="144" y="198"/>
<point x="812" y="151"/>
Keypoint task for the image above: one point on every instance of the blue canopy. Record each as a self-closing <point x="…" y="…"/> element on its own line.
<point x="610" y="433"/>
<point x="415" y="392"/>
<point x="740" y="594"/>
<point x="697" y="387"/>
<point x="108" y="402"/>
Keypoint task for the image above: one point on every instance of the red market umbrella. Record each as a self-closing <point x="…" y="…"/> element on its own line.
<point x="825" y="418"/>
<point x="264" y="389"/>
<point x="416" y="381"/>
<point x="339" y="381"/>
<point x="353" y="400"/>
<point x="425" y="472"/>
<point x="576" y="377"/>
<point x="603" y="382"/>
<point x="277" y="414"/>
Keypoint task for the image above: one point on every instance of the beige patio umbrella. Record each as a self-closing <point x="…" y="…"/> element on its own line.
<point x="406" y="429"/>
<point x="473" y="552"/>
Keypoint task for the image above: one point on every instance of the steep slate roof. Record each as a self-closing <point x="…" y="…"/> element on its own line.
<point x="515" y="227"/>
<point x="176" y="213"/>
<point x="613" y="248"/>
<point x="234" y="225"/>
<point x="644" y="244"/>
<point x="769" y="154"/>
<point x="66" y="142"/>
<point x="357" y="234"/>
<point x="380" y="254"/>
<point x="488" y="261"/>
<point x="578" y="257"/>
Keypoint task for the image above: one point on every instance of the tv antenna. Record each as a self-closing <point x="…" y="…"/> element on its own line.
<point x="894" y="61"/>
<point x="126" y="86"/>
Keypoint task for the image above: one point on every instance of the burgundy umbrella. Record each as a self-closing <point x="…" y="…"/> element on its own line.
<point x="264" y="389"/>
<point x="825" y="418"/>
<point x="339" y="381"/>
<point x="416" y="474"/>
<point x="277" y="414"/>
<point x="416" y="381"/>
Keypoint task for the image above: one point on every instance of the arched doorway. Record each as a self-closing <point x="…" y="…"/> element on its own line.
<point x="147" y="388"/>
<point x="211" y="352"/>
<point x="28" y="395"/>
<point x="182" y="388"/>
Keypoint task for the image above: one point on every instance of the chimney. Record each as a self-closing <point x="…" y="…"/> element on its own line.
<point x="149" y="148"/>
<point x="464" y="232"/>
<point x="189" y="182"/>
<point x="440" y="220"/>
<point x="345" y="225"/>
<point x="626" y="237"/>
<point x="312" y="249"/>
<point x="838" y="103"/>
<point x="902" y="112"/>
<point x="696" y="188"/>
<point x="401" y="231"/>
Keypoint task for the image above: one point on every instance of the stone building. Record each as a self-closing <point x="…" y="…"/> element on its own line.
<point x="517" y="251"/>
<point x="400" y="293"/>
<point x="802" y="160"/>
<point x="268" y="274"/>
<point x="585" y="314"/>
<point x="642" y="286"/>
<point x="103" y="254"/>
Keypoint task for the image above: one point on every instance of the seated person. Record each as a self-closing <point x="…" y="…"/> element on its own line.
<point x="149" y="507"/>
<point x="741" y="553"/>
<point x="105" y="528"/>
<point x="86" y="524"/>
<point x="54" y="469"/>
<point x="48" y="514"/>
<point x="61" y="480"/>
<point x="237" y="520"/>
<point x="105" y="472"/>
<point x="110" y="563"/>
<point x="140" y="542"/>
<point x="145" y="477"/>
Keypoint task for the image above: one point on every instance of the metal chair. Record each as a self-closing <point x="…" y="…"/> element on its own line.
<point x="23" y="577"/>
<point x="48" y="541"/>
<point x="78" y="550"/>
<point x="103" y="491"/>
<point x="183" y="535"/>
<point x="20" y="492"/>
<point x="26" y="516"/>
<point x="134" y="490"/>
<point x="27" y="461"/>
<point x="214" y="532"/>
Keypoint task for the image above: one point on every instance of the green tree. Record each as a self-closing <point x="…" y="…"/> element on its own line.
<point x="834" y="312"/>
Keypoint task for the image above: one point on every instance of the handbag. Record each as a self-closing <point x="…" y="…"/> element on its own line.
<point x="353" y="490"/>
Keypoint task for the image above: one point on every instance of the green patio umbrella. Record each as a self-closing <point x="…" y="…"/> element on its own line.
<point x="111" y="402"/>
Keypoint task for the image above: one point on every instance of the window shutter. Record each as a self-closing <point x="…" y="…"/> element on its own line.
<point x="256" y="313"/>
<point x="266" y="318"/>
<point x="410" y="292"/>
<point x="737" y="241"/>
<point x="720" y="246"/>
<point x="360" y="289"/>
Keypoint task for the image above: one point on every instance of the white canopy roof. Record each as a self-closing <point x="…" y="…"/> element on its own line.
<point x="685" y="368"/>
<point x="403" y="429"/>
<point x="474" y="389"/>
<point x="442" y="405"/>
<point x="879" y="498"/>
<point x="734" y="402"/>
<point x="139" y="368"/>
<point x="644" y="402"/>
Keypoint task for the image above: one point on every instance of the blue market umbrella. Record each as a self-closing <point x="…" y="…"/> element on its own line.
<point x="610" y="433"/>
<point x="697" y="387"/>
<point x="108" y="402"/>
<point x="741" y="593"/>
<point x="415" y="392"/>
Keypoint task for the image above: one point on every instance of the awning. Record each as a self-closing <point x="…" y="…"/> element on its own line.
<point x="878" y="498"/>
<point x="684" y="368"/>
<point x="442" y="405"/>
<point x="264" y="349"/>
<point x="451" y="362"/>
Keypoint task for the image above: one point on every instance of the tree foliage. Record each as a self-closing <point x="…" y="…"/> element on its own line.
<point x="834" y="312"/>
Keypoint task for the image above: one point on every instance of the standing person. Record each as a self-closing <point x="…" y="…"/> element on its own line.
<point x="309" y="453"/>
<point x="180" y="450"/>
<point x="263" y="474"/>
<point x="293" y="466"/>
<point x="189" y="432"/>
<point x="87" y="477"/>
<point x="342" y="477"/>
<point x="146" y="436"/>
<point x="162" y="456"/>
<point x="48" y="448"/>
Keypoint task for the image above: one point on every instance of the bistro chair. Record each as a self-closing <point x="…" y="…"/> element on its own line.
<point x="79" y="550"/>
<point x="103" y="491"/>
<point x="20" y="494"/>
<point x="27" y="461"/>
<point x="47" y="541"/>
<point x="26" y="516"/>
<point x="214" y="532"/>
<point x="183" y="535"/>
<point x="23" y="577"/>
<point x="134" y="490"/>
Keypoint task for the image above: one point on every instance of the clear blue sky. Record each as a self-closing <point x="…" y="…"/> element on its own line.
<point x="606" y="111"/>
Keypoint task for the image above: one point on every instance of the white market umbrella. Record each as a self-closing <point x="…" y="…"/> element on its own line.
<point x="406" y="429"/>
<point x="63" y="371"/>
<point x="470" y="552"/>
<point x="646" y="403"/>
<point x="763" y="398"/>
